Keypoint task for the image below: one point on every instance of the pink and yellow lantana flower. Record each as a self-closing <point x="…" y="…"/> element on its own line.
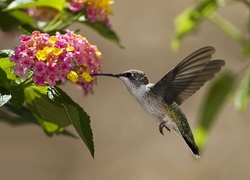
<point x="54" y="59"/>
<point x="96" y="10"/>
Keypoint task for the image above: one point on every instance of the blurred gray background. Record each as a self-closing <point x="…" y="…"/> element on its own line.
<point x="127" y="141"/>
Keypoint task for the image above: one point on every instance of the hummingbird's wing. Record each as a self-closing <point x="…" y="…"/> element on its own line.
<point x="188" y="76"/>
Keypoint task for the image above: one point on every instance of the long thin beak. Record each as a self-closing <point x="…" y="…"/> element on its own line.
<point x="108" y="74"/>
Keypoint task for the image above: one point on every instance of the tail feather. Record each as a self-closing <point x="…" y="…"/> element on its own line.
<point x="193" y="147"/>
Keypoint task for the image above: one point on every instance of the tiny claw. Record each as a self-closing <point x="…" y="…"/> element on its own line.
<point x="161" y="126"/>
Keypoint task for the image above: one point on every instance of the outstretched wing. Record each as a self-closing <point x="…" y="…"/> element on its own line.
<point x="188" y="76"/>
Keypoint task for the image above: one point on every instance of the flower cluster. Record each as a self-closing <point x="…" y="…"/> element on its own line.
<point x="96" y="10"/>
<point x="42" y="13"/>
<point x="53" y="59"/>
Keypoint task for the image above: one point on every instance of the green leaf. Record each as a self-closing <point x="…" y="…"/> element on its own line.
<point x="213" y="102"/>
<point x="189" y="19"/>
<point x="17" y="93"/>
<point x="4" y="96"/>
<point x="28" y="29"/>
<point x="246" y="50"/>
<point x="4" y="81"/>
<point x="8" y="23"/>
<point x="47" y="111"/>
<point x="49" y="127"/>
<point x="14" y="117"/>
<point x="242" y="95"/>
<point x="78" y="117"/>
<point x="22" y="17"/>
<point x="81" y="122"/>
<point x="6" y="65"/>
<point x="10" y="74"/>
<point x="105" y="31"/>
<point x="5" y="53"/>
<point x="21" y="4"/>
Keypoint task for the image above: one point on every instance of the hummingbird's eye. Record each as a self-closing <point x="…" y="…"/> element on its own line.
<point x="128" y="75"/>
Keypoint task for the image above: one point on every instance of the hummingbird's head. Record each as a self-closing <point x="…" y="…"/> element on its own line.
<point x="135" y="80"/>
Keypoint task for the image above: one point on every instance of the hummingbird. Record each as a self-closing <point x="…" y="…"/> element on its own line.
<point x="162" y="100"/>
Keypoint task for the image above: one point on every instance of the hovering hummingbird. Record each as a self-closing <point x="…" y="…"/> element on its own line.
<point x="162" y="100"/>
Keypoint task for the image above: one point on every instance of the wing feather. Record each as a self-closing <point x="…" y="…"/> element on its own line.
<point x="188" y="76"/>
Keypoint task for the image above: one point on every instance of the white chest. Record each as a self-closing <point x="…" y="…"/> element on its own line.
<point x="153" y="105"/>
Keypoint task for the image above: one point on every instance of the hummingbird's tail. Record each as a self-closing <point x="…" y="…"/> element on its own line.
<point x="192" y="146"/>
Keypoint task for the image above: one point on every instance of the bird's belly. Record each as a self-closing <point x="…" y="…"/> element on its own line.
<point x="155" y="109"/>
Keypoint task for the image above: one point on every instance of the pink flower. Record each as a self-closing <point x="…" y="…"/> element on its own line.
<point x="91" y="14"/>
<point x="107" y="22"/>
<point x="27" y="62"/>
<point x="97" y="15"/>
<point x="75" y="6"/>
<point x="39" y="80"/>
<point x="43" y="13"/>
<point x="51" y="68"/>
<point x="52" y="79"/>
<point x="39" y="68"/>
<point x="101" y="15"/>
<point x="53" y="58"/>
<point x="14" y="58"/>
<point x="95" y="10"/>
<point x="25" y="39"/>
<point x="20" y="70"/>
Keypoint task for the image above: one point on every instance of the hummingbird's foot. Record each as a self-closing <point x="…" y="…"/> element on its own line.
<point x="163" y="125"/>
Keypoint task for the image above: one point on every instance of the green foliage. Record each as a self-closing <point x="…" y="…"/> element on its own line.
<point x="23" y="102"/>
<point x="23" y="4"/>
<point x="45" y="109"/>
<point x="77" y="116"/>
<point x="16" y="117"/>
<point x="4" y="96"/>
<point x="11" y="89"/>
<point x="22" y="17"/>
<point x="6" y="53"/>
<point x="6" y="65"/>
<point x="213" y="102"/>
<point x="13" y="16"/>
<point x="191" y="19"/>
<point x="55" y="110"/>
<point x="8" y="22"/>
<point x="50" y="107"/>
<point x="241" y="99"/>
<point x="17" y="93"/>
<point x="106" y="32"/>
<point x="4" y="81"/>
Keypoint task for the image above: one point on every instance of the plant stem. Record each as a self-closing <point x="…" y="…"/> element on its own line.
<point x="59" y="20"/>
<point x="27" y="82"/>
<point x="227" y="27"/>
<point x="75" y="18"/>
<point x="56" y="22"/>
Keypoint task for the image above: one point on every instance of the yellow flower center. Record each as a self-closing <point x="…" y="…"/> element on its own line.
<point x="41" y="55"/>
<point x="48" y="49"/>
<point x="98" y="53"/>
<point x="72" y="76"/>
<point x="101" y="4"/>
<point x="87" y="77"/>
<point x="52" y="39"/>
<point x="70" y="48"/>
<point x="57" y="51"/>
